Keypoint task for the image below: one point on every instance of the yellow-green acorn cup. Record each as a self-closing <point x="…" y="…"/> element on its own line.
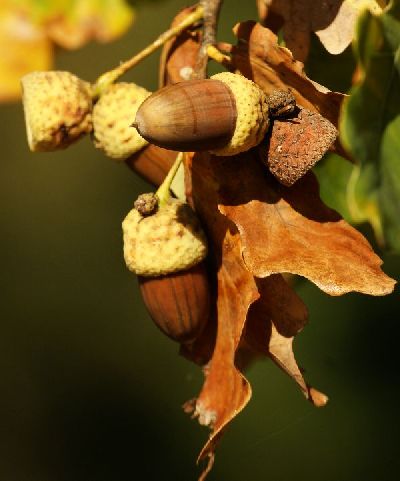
<point x="57" y="107"/>
<point x="113" y="116"/>
<point x="170" y="240"/>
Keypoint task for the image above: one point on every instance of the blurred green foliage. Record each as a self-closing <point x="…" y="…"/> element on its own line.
<point x="370" y="131"/>
<point x="91" y="390"/>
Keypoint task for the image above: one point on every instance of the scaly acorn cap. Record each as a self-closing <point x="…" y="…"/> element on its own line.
<point x="113" y="115"/>
<point x="226" y="114"/>
<point x="170" y="240"/>
<point x="252" y="119"/>
<point x="57" y="107"/>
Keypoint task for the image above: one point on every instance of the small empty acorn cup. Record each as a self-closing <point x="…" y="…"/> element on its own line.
<point x="57" y="107"/>
<point x="225" y="115"/>
<point x="113" y="115"/>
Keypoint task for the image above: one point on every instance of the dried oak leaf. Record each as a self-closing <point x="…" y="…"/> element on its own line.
<point x="263" y="302"/>
<point x="296" y="144"/>
<point x="332" y="20"/>
<point x="225" y="391"/>
<point x="272" y="322"/>
<point x="291" y="230"/>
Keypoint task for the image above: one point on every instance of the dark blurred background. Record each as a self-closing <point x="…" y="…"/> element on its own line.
<point x="91" y="390"/>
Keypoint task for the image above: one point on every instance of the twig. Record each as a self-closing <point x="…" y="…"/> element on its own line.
<point x="109" y="77"/>
<point x="211" y="15"/>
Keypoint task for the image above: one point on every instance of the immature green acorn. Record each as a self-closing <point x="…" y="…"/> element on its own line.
<point x="226" y="114"/>
<point x="57" y="107"/>
<point x="113" y="115"/>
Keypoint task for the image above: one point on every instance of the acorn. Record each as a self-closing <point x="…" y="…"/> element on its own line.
<point x="165" y="245"/>
<point x="152" y="163"/>
<point x="178" y="303"/>
<point x="225" y="115"/>
<point x="57" y="107"/>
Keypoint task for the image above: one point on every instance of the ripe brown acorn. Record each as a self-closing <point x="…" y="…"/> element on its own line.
<point x="179" y="302"/>
<point x="226" y="114"/>
<point x="178" y="115"/>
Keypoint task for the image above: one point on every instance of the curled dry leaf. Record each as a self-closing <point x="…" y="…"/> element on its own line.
<point x="291" y="230"/>
<point x="296" y="144"/>
<point x="273" y="321"/>
<point x="225" y="391"/>
<point x="332" y="20"/>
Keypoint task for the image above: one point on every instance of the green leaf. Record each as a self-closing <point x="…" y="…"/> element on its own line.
<point x="370" y="125"/>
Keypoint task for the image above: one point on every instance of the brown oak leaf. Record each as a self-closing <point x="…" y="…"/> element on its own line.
<point x="225" y="391"/>
<point x="332" y="20"/>
<point x="273" y="321"/>
<point x="296" y="144"/>
<point x="254" y="316"/>
<point x="291" y="230"/>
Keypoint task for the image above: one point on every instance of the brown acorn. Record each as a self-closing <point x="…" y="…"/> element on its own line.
<point x="176" y="116"/>
<point x="179" y="302"/>
<point x="152" y="163"/>
<point x="226" y="114"/>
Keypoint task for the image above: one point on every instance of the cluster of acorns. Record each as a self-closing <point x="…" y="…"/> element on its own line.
<point x="226" y="114"/>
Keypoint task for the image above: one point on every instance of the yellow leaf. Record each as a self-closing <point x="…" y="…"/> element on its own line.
<point x="23" y="48"/>
<point x="74" y="24"/>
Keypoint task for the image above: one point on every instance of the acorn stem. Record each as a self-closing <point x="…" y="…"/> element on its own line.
<point x="108" y="78"/>
<point x="218" y="56"/>
<point x="163" y="192"/>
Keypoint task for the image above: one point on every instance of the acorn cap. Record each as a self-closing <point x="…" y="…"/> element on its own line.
<point x="168" y="241"/>
<point x="113" y="116"/>
<point x="252" y="114"/>
<point x="57" y="107"/>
